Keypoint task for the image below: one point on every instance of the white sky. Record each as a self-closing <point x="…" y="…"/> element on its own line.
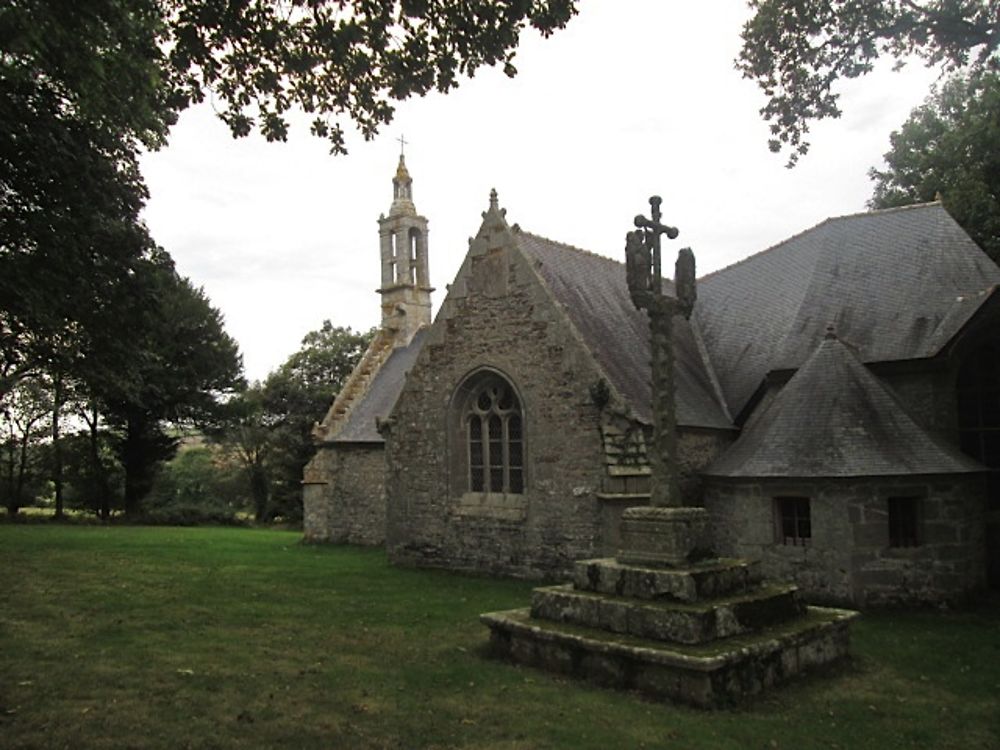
<point x="632" y="99"/>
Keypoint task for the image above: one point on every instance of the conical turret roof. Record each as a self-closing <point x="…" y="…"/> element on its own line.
<point x="835" y="419"/>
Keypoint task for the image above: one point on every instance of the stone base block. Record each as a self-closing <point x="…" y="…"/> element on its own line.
<point x="664" y="536"/>
<point x="689" y="584"/>
<point x="710" y="675"/>
<point x="688" y="623"/>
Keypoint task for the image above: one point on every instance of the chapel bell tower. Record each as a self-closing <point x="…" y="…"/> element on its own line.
<point x="406" y="289"/>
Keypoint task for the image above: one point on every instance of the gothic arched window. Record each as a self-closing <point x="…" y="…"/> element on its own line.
<point x="494" y="431"/>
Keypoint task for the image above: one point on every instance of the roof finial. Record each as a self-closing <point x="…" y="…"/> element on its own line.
<point x="831" y="332"/>
<point x="494" y="201"/>
<point x="402" y="145"/>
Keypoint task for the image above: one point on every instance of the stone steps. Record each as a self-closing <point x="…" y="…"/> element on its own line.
<point x="705" y="675"/>
<point x="705" y="633"/>
<point x="721" y="577"/>
<point x="699" y="622"/>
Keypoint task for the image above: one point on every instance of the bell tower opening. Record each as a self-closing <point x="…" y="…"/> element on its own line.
<point x="405" y="290"/>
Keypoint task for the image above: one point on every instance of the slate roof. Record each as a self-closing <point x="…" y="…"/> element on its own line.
<point x="593" y="292"/>
<point x="378" y="400"/>
<point x="897" y="284"/>
<point x="835" y="419"/>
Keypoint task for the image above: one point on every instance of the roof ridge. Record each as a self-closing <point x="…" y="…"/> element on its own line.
<point x="828" y="220"/>
<point x="567" y="246"/>
<point x="891" y="209"/>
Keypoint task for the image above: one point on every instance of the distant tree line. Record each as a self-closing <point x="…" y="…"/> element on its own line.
<point x="185" y="440"/>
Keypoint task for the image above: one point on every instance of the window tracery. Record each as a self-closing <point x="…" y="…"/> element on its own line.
<point x="495" y="444"/>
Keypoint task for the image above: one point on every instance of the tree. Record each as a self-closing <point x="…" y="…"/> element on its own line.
<point x="80" y="89"/>
<point x="93" y="474"/>
<point x="181" y="362"/>
<point x="950" y="147"/>
<point x="247" y="436"/>
<point x="270" y="425"/>
<point x="22" y="420"/>
<point x="299" y="393"/>
<point x="797" y="49"/>
<point x="84" y="84"/>
<point x="69" y="235"/>
<point x="338" y="58"/>
<point x="195" y="487"/>
<point x="128" y="66"/>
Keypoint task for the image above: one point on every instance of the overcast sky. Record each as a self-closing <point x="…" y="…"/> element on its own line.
<point x="632" y="99"/>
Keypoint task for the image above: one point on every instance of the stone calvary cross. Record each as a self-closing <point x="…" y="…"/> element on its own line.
<point x="661" y="616"/>
<point x="642" y="265"/>
<point x="664" y="533"/>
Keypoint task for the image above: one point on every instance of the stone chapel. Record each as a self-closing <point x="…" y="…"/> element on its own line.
<point x="838" y="408"/>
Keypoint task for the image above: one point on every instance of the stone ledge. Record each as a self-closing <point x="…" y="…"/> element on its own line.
<point x="706" y="676"/>
<point x="669" y="621"/>
<point x="495" y="505"/>
<point x="689" y="584"/>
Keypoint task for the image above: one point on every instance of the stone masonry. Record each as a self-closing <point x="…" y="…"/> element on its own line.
<point x="848" y="559"/>
<point x="349" y="508"/>
<point x="500" y="317"/>
<point x="497" y="316"/>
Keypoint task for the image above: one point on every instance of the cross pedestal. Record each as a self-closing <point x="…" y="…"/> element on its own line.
<point x="653" y="536"/>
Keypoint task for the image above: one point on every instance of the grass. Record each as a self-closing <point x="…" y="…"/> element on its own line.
<point x="216" y="638"/>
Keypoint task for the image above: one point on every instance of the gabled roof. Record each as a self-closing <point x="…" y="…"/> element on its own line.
<point x="377" y="402"/>
<point x="835" y="419"/>
<point x="898" y="284"/>
<point x="593" y="292"/>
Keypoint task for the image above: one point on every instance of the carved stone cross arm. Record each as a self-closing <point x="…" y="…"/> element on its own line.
<point x="684" y="282"/>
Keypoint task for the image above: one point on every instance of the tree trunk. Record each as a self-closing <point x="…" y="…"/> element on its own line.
<point x="14" y="501"/>
<point x="96" y="468"/>
<point x="10" y="459"/>
<point x="130" y="463"/>
<point x="57" y="457"/>
<point x="259" y="487"/>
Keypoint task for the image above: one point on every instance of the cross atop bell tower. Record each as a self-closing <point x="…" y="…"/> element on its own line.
<point x="405" y="290"/>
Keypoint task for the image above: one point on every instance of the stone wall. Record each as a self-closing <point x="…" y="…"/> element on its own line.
<point x="346" y="501"/>
<point x="696" y="449"/>
<point x="497" y="316"/>
<point x="848" y="559"/>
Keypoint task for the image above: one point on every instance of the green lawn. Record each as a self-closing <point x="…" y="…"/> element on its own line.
<point x="161" y="637"/>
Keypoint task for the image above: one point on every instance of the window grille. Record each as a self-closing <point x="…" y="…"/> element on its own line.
<point x="792" y="521"/>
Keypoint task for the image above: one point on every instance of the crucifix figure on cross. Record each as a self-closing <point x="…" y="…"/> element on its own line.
<point x="643" y="264"/>
<point x="651" y="229"/>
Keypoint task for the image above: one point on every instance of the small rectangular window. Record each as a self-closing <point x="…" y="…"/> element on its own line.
<point x="904" y="521"/>
<point x="792" y="521"/>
